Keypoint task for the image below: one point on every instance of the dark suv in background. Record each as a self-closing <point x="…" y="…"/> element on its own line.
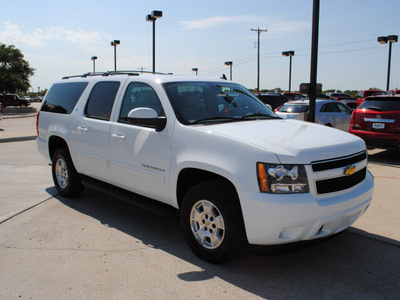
<point x="13" y="100"/>
<point x="275" y="100"/>
<point x="377" y="121"/>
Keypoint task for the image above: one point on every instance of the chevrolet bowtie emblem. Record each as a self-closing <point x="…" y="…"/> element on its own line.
<point x="349" y="170"/>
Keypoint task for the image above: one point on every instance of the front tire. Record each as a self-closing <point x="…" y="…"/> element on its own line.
<point x="212" y="222"/>
<point x="65" y="177"/>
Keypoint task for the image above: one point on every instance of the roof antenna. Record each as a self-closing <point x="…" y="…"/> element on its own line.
<point x="223" y="77"/>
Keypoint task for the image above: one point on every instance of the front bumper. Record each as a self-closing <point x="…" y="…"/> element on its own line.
<point x="276" y="219"/>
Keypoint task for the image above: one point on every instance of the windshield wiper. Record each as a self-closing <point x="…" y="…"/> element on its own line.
<point x="374" y="108"/>
<point x="250" y="116"/>
<point x="215" y="119"/>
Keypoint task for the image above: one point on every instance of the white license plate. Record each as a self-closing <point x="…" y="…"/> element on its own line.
<point x="378" y="125"/>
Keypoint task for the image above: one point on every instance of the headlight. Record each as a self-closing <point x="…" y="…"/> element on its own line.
<point x="274" y="178"/>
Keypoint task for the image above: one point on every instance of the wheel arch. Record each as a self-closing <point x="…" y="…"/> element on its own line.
<point x="189" y="177"/>
<point x="56" y="142"/>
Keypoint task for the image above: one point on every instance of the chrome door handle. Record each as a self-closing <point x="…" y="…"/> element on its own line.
<point x="118" y="136"/>
<point x="82" y="129"/>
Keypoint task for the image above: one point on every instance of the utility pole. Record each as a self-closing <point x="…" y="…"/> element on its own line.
<point x="258" y="55"/>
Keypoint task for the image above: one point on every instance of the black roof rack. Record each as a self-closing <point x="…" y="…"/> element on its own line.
<point x="108" y="73"/>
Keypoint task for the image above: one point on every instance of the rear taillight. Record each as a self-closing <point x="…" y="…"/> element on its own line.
<point x="352" y="119"/>
<point x="37" y="123"/>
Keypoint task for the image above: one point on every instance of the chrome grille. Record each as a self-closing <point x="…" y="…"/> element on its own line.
<point x="337" y="179"/>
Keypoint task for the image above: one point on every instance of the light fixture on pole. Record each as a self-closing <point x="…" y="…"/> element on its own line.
<point x="290" y="54"/>
<point x="115" y="43"/>
<point x="383" y="40"/>
<point x="195" y="70"/>
<point x="94" y="64"/>
<point x="229" y="63"/>
<point x="258" y="55"/>
<point x="155" y="14"/>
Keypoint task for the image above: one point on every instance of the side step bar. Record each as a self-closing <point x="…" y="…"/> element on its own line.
<point x="142" y="202"/>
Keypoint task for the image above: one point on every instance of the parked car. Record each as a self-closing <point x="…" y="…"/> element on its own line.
<point x="349" y="101"/>
<point x="327" y="112"/>
<point x="273" y="99"/>
<point x="27" y="98"/>
<point x="13" y="100"/>
<point x="37" y="99"/>
<point x="337" y="95"/>
<point x="237" y="172"/>
<point x="393" y="92"/>
<point x="361" y="95"/>
<point x="377" y="121"/>
<point x="292" y="95"/>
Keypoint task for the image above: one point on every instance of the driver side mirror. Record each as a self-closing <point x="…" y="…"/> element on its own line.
<point x="147" y="117"/>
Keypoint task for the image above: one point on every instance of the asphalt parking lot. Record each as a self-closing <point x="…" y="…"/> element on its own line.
<point x="96" y="247"/>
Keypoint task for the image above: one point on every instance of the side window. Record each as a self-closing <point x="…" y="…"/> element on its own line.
<point x="139" y="95"/>
<point x="101" y="100"/>
<point x="62" y="97"/>
<point x="329" y="108"/>
<point x="343" y="108"/>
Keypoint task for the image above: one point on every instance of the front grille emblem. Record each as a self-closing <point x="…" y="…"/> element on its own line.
<point x="349" y="170"/>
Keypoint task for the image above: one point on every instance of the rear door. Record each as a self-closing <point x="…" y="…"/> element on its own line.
<point x="92" y="132"/>
<point x="344" y="116"/>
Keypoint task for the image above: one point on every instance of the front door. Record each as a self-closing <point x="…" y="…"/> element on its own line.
<point x="139" y="157"/>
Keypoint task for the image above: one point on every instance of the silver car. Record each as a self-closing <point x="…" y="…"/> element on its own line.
<point x="327" y="112"/>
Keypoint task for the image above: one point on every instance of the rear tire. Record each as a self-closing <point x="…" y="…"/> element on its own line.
<point x="212" y="222"/>
<point x="65" y="177"/>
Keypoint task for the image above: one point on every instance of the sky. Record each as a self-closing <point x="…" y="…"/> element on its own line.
<point x="58" y="38"/>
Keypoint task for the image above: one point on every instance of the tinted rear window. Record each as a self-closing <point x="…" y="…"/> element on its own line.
<point x="381" y="104"/>
<point x="101" y="100"/>
<point x="62" y="97"/>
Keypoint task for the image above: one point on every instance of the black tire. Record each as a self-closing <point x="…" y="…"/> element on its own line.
<point x="65" y="177"/>
<point x="230" y="240"/>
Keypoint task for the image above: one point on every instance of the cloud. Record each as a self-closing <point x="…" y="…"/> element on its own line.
<point x="222" y="20"/>
<point x="275" y="25"/>
<point x="12" y="34"/>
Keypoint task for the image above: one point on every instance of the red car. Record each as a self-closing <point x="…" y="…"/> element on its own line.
<point x="377" y="121"/>
<point x="361" y="95"/>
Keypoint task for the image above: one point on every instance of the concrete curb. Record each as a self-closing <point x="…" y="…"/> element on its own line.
<point x="18" y="139"/>
<point x="15" y="116"/>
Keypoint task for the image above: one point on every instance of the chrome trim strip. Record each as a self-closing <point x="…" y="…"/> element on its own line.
<point x="378" y="120"/>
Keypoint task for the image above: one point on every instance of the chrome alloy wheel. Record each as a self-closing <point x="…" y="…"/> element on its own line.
<point x="207" y="224"/>
<point x="61" y="171"/>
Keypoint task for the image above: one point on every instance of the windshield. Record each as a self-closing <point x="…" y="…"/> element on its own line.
<point x="294" y="108"/>
<point x="210" y="102"/>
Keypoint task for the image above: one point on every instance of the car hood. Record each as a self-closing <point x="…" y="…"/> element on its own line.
<point x="292" y="141"/>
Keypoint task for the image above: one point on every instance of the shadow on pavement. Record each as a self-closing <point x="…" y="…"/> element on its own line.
<point x="347" y="266"/>
<point x="387" y="157"/>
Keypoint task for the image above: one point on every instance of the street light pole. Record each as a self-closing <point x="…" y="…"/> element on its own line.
<point x="290" y="54"/>
<point x="314" y="60"/>
<point x="383" y="40"/>
<point x="258" y="55"/>
<point x="94" y="64"/>
<point x="115" y="43"/>
<point x="229" y="63"/>
<point x="155" y="14"/>
<point x="195" y="70"/>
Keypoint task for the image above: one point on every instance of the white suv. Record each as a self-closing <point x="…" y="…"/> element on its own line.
<point x="237" y="173"/>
